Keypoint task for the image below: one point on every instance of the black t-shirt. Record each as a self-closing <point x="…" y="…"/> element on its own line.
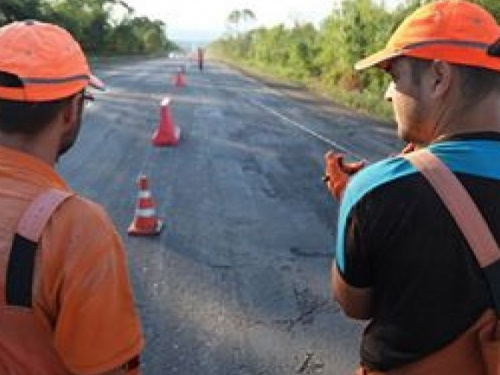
<point x="397" y="237"/>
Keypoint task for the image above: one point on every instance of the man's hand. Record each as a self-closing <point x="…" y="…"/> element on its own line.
<point x="410" y="147"/>
<point x="338" y="172"/>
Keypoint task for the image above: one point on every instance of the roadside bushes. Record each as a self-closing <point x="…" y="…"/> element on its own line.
<point x="325" y="55"/>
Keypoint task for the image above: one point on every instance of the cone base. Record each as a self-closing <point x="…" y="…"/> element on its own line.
<point x="133" y="230"/>
<point x="161" y="139"/>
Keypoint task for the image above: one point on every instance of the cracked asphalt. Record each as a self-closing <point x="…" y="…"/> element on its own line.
<point x="238" y="282"/>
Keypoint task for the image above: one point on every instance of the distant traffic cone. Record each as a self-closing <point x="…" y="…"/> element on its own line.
<point x="179" y="80"/>
<point x="145" y="222"/>
<point x="167" y="133"/>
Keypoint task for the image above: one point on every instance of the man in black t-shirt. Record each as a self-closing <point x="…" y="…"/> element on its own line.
<point x="401" y="261"/>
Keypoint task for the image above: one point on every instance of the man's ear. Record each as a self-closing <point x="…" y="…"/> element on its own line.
<point x="71" y="110"/>
<point x="441" y="77"/>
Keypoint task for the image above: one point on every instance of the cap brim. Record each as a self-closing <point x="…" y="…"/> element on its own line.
<point x="96" y="83"/>
<point x="379" y="59"/>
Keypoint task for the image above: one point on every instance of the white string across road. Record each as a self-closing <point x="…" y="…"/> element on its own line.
<point x="334" y="144"/>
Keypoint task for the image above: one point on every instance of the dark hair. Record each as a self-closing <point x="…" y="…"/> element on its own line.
<point x="28" y="118"/>
<point x="476" y="83"/>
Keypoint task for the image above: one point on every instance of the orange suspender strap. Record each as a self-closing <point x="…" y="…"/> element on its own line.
<point x="466" y="214"/>
<point x="21" y="265"/>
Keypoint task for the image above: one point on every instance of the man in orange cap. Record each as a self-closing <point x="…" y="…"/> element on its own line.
<point x="66" y="305"/>
<point x="401" y="261"/>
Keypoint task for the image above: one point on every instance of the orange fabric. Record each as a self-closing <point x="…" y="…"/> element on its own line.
<point x="461" y="357"/>
<point x="455" y="31"/>
<point x="47" y="60"/>
<point x="83" y="320"/>
<point x="35" y="217"/>
<point x="490" y="346"/>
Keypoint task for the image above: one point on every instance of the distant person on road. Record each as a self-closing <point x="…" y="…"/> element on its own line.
<point x="201" y="57"/>
<point x="401" y="261"/>
<point x="66" y="304"/>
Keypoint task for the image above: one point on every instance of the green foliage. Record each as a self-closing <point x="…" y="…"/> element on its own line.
<point x="326" y="56"/>
<point x="492" y="5"/>
<point x="11" y="10"/>
<point x="91" y="22"/>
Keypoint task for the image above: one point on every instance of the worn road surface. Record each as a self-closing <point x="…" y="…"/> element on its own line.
<point x="238" y="282"/>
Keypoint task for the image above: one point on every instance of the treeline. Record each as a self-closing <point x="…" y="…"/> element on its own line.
<point x="324" y="56"/>
<point x="101" y="26"/>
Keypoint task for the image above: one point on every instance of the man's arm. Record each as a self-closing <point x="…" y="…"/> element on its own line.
<point x="355" y="302"/>
<point x="98" y="329"/>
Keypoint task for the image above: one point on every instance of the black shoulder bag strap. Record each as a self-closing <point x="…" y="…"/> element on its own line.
<point x="22" y="258"/>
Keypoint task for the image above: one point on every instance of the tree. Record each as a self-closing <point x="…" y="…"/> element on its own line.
<point x="233" y="20"/>
<point x="91" y="23"/>
<point x="247" y="16"/>
<point x="240" y="17"/>
<point x="15" y="10"/>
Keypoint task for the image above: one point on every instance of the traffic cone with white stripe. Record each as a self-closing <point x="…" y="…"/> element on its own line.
<point x="145" y="222"/>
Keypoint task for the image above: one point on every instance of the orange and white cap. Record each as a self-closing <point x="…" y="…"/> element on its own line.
<point x="47" y="60"/>
<point x="455" y="31"/>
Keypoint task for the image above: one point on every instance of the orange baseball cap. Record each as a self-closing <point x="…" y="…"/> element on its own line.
<point x="47" y="60"/>
<point x="455" y="31"/>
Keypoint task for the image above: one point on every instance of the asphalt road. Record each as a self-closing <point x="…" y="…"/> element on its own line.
<point x="238" y="282"/>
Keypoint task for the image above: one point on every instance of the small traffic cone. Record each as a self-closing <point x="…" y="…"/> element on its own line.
<point x="167" y="133"/>
<point x="145" y="222"/>
<point x="179" y="80"/>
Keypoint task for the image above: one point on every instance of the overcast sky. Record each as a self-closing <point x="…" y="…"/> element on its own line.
<point x="202" y="19"/>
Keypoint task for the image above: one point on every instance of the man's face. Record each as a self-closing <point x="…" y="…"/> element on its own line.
<point x="409" y="101"/>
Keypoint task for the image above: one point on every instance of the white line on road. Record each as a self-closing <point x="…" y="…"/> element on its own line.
<point x="305" y="129"/>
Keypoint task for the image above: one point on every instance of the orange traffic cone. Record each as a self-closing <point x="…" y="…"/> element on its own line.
<point x="179" y="80"/>
<point x="166" y="133"/>
<point x="145" y="221"/>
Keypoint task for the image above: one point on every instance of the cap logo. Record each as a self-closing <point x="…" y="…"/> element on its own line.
<point x="476" y="21"/>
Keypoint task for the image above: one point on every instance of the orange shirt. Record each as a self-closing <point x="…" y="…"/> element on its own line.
<point x="83" y="319"/>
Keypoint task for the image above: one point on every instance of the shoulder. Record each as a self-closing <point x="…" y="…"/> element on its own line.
<point x="82" y="212"/>
<point x="81" y="228"/>
<point x="375" y="176"/>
